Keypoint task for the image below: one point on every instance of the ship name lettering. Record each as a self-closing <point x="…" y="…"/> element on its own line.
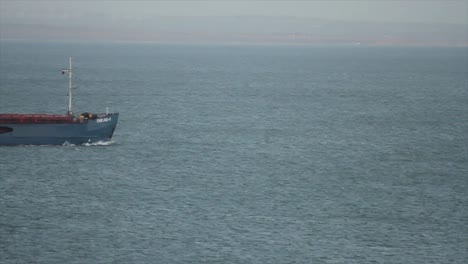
<point x="101" y="120"/>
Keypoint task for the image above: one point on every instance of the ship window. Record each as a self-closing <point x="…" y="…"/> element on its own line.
<point x="5" y="129"/>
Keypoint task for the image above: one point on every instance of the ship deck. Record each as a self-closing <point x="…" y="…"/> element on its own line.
<point x="37" y="119"/>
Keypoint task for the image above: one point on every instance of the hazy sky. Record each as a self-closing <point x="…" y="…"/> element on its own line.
<point x="438" y="11"/>
<point x="377" y="20"/>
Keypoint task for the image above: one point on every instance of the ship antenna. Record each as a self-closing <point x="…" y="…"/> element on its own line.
<point x="70" y="88"/>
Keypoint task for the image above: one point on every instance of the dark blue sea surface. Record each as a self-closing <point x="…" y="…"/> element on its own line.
<point x="240" y="154"/>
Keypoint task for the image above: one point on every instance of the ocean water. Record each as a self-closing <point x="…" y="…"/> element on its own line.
<point x="240" y="154"/>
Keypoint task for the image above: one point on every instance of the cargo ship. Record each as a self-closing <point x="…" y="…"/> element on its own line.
<point x="48" y="129"/>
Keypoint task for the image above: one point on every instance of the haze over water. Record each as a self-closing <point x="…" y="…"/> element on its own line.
<point x="240" y="154"/>
<point x="363" y="22"/>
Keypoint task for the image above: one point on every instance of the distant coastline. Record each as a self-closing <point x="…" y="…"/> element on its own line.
<point x="248" y="30"/>
<point x="239" y="43"/>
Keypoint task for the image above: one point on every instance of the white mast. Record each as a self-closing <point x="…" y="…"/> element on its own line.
<point x="70" y="88"/>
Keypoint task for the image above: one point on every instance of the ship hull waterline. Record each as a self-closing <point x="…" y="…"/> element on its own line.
<point x="77" y="133"/>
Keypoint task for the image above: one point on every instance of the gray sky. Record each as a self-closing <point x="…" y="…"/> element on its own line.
<point x="432" y="11"/>
<point x="263" y="17"/>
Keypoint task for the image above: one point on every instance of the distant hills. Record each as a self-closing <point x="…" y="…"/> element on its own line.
<point x="242" y="29"/>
